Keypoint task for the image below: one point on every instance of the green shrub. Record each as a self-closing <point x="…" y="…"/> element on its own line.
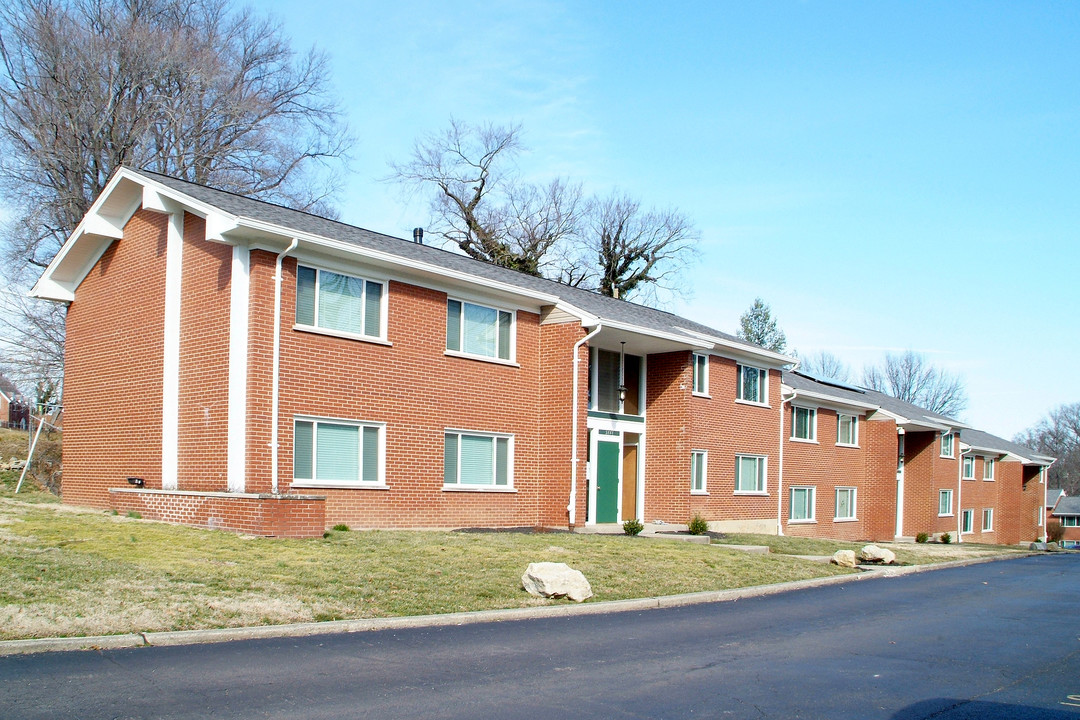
<point x="341" y="527"/>
<point x="922" y="537"/>
<point x="946" y="538"/>
<point x="632" y="527"/>
<point x="133" y="514"/>
<point x="698" y="525"/>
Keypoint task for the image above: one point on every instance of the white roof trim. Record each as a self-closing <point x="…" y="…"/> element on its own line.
<point x="830" y="398"/>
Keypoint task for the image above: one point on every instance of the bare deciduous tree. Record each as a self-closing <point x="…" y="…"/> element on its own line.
<point x="190" y="88"/>
<point x="1058" y="435"/>
<point x="825" y="365"/>
<point x="909" y="377"/>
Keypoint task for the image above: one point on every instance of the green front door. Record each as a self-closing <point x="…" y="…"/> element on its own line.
<point x="607" y="481"/>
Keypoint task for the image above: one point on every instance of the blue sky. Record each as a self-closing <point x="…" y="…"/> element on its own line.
<point x="887" y="176"/>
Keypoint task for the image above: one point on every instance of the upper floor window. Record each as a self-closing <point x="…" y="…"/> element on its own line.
<point x="988" y="469"/>
<point x="338" y="302"/>
<point x="698" y="468"/>
<point x="947" y="445"/>
<point x="615" y="384"/>
<point x="847" y="430"/>
<point x="753" y="384"/>
<point x="479" y="330"/>
<point x="969" y="468"/>
<point x="701" y="374"/>
<point x="804" y="423"/>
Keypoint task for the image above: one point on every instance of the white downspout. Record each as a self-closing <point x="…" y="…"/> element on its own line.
<point x="277" y="365"/>
<point x="571" y="507"/>
<point x="780" y="469"/>
<point x="960" y="498"/>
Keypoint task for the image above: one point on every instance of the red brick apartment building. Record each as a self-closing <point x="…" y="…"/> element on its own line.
<point x="281" y="373"/>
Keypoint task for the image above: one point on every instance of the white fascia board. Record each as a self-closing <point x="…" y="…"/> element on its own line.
<point x="899" y="419"/>
<point x="778" y="359"/>
<point x="659" y="334"/>
<point x="832" y="400"/>
<point x="393" y="260"/>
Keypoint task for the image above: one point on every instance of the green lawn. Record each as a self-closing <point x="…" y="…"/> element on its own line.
<point x="906" y="553"/>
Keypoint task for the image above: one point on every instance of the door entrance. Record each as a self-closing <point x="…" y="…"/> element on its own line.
<point x="607" y="480"/>
<point x="629" y="476"/>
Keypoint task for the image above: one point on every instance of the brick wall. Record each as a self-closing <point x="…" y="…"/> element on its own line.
<point x="926" y="473"/>
<point x="295" y="516"/>
<point x="879" y="506"/>
<point x="113" y="366"/>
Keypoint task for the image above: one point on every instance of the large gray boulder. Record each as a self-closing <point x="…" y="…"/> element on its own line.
<point x="844" y="558"/>
<point x="875" y="554"/>
<point x="556" y="580"/>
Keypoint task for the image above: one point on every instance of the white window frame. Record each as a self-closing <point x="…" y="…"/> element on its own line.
<point x="1070" y="521"/>
<point x="811" y="504"/>
<point x="700" y="374"/>
<point x="699" y="459"/>
<point x="967" y="521"/>
<point x="762" y="474"/>
<point x="811" y="425"/>
<point x="988" y="519"/>
<point x="988" y="466"/>
<point x="313" y="481"/>
<point x="315" y="327"/>
<point x="942" y="494"/>
<point x="460" y="486"/>
<point x="854" y="507"/>
<point x="968" y="463"/>
<point x="763" y="385"/>
<point x="854" y="430"/>
<point x="461" y="352"/>
<point x="952" y="445"/>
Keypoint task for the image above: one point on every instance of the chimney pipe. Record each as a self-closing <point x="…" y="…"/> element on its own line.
<point x="418" y="235"/>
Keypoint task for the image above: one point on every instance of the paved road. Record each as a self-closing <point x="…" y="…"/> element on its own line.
<point x="992" y="641"/>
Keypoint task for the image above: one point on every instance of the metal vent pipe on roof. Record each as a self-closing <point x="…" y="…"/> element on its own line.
<point x="418" y="235"/>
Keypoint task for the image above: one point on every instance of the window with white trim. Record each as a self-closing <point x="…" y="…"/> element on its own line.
<point x="337" y="452"/>
<point x="1070" y="521"/>
<point x="802" y="504"/>
<point x="701" y="374"/>
<point x="342" y="303"/>
<point x="478" y="460"/>
<point x="753" y="384"/>
<point x="966" y="520"/>
<point x="945" y="503"/>
<point x="946" y="445"/>
<point x="969" y="468"/>
<point x="699" y="463"/>
<point x="479" y="330"/>
<point x="750" y="474"/>
<point x="847" y="430"/>
<point x="845" y="503"/>
<point x="988" y="519"/>
<point x="803" y="423"/>
<point x="988" y="468"/>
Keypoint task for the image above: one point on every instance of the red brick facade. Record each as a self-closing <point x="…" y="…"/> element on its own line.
<point x="416" y="391"/>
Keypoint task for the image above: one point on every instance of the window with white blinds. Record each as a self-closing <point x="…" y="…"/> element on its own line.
<point x="337" y="452"/>
<point x="477" y="460"/>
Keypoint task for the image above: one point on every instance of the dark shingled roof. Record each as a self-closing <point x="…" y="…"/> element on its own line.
<point x="846" y="391"/>
<point x="1067" y="506"/>
<point x="984" y="440"/>
<point x="601" y="306"/>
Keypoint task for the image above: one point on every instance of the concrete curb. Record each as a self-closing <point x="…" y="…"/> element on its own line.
<point x="193" y="637"/>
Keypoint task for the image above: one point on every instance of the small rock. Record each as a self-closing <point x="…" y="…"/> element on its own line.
<point x="875" y="554"/>
<point x="1052" y="547"/>
<point x="556" y="580"/>
<point x="1037" y="546"/>
<point x="844" y="558"/>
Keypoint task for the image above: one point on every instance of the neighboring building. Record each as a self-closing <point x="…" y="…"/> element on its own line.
<point x="284" y="372"/>
<point x="1066" y="510"/>
<point x="10" y="404"/>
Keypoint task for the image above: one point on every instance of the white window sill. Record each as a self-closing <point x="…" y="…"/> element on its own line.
<point x="699" y="492"/>
<point x="481" y="358"/>
<point x="988" y="479"/>
<point x="843" y="520"/>
<point x="849" y="445"/>
<point x="342" y="334"/>
<point x="947" y="457"/>
<point x="478" y="488"/>
<point x="967" y="478"/>
<point x="707" y="396"/>
<point x="805" y="441"/>
<point x="753" y="404"/>
<point x="802" y="522"/>
<point x="752" y="493"/>
<point x="947" y="515"/>
<point x="339" y="484"/>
